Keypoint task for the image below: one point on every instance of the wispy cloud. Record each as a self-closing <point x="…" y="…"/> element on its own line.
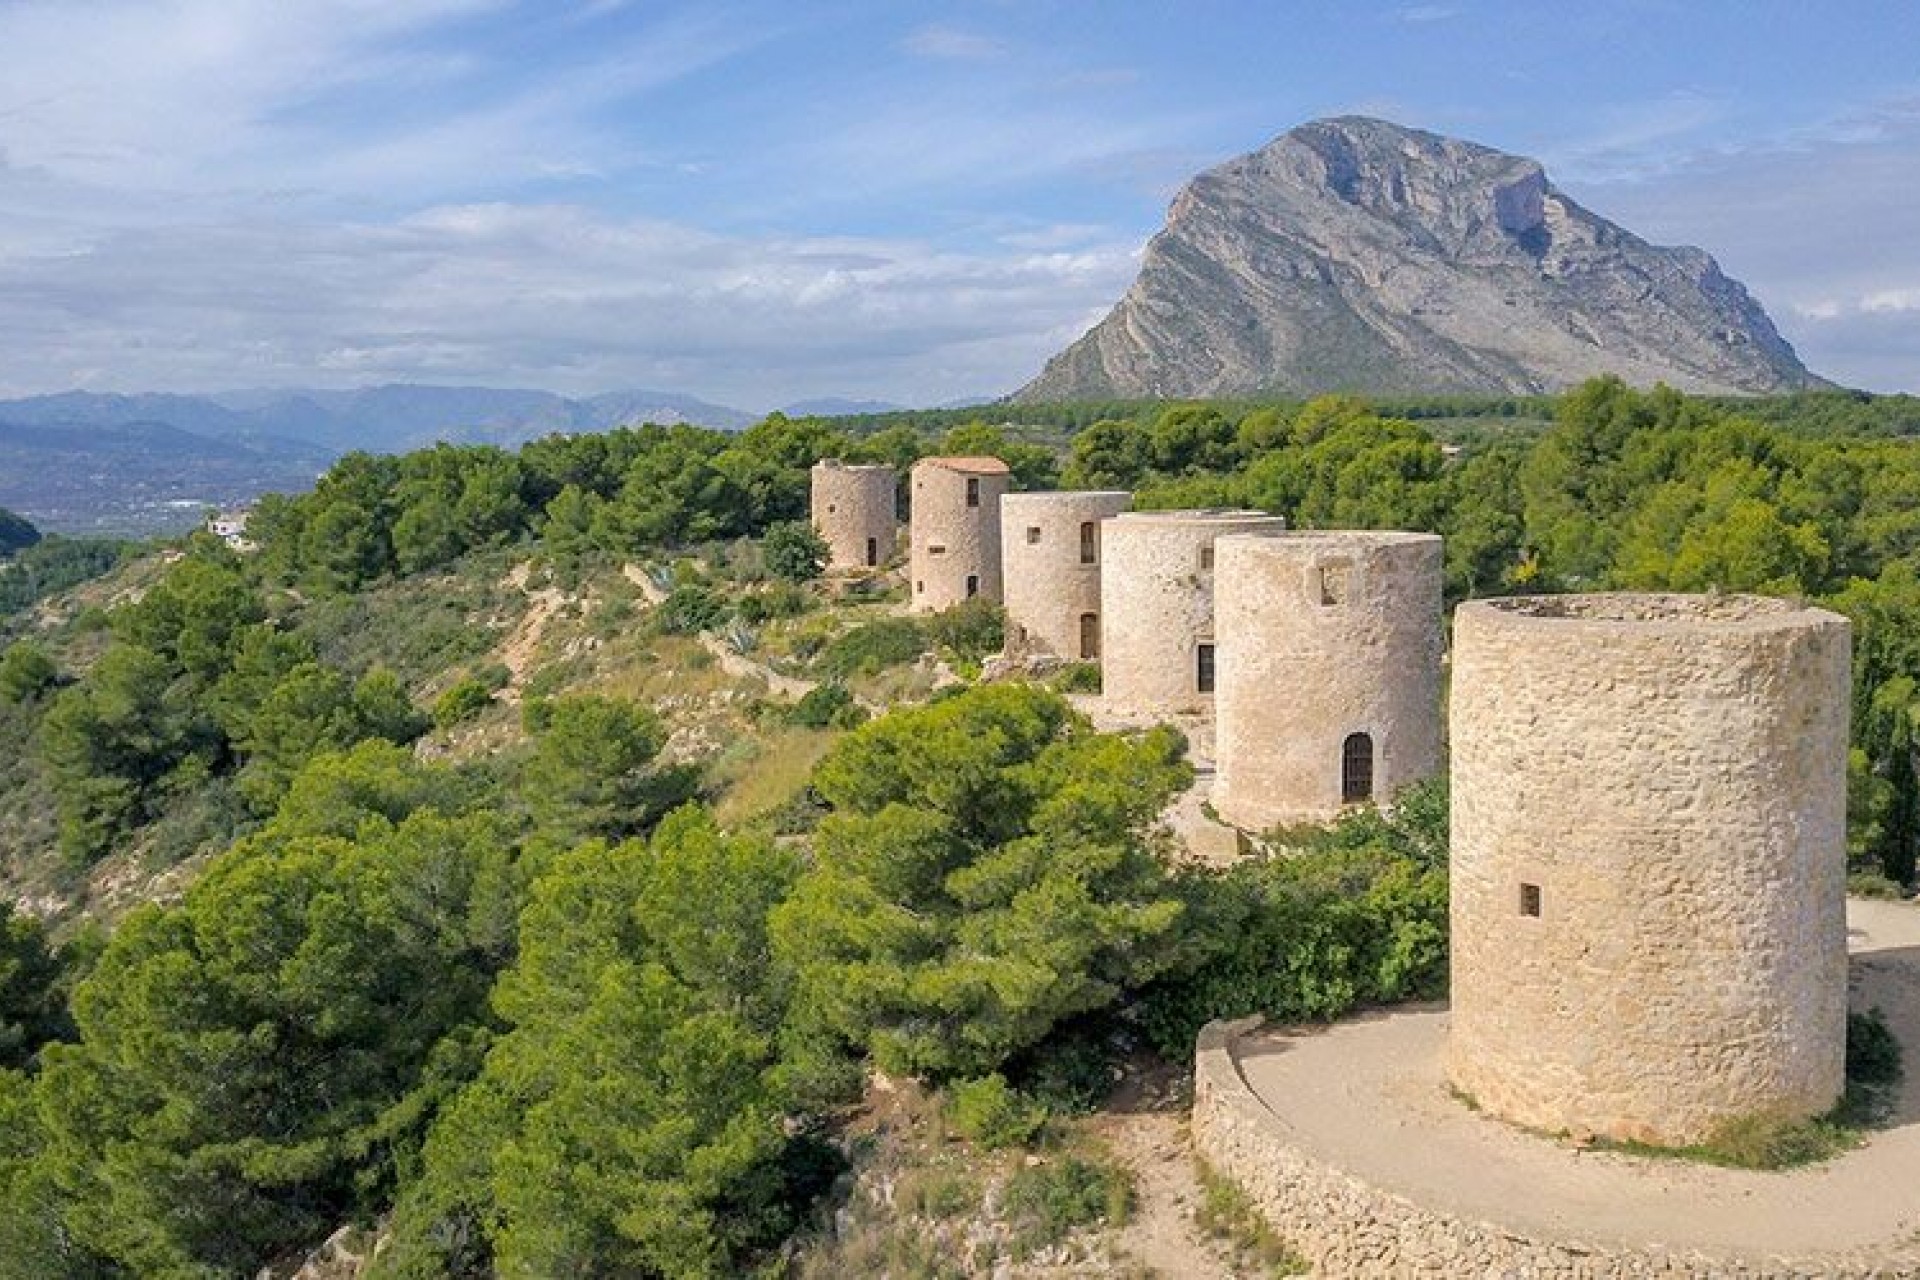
<point x="938" y="41"/>
<point x="1424" y="13"/>
<point x="550" y="295"/>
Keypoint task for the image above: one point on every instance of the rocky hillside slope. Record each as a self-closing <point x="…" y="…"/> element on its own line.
<point x="1354" y="254"/>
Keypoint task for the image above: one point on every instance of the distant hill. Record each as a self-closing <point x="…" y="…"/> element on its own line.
<point x="86" y="462"/>
<point x="1354" y="254"/>
<point x="838" y="407"/>
<point x="16" y="533"/>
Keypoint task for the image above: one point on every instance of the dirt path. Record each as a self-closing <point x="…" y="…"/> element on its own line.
<point x="638" y="577"/>
<point x="521" y="648"/>
<point x="1161" y="1235"/>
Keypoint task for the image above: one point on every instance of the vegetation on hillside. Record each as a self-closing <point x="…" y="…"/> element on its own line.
<point x="543" y="853"/>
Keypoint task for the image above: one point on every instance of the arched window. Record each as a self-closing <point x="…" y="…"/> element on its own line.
<point x="1089" y="636"/>
<point x="1356" y="769"/>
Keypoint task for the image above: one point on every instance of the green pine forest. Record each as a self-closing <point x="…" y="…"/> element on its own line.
<point x="529" y="858"/>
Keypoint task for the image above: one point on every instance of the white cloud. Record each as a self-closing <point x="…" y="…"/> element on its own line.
<point x="937" y="41"/>
<point x="546" y="295"/>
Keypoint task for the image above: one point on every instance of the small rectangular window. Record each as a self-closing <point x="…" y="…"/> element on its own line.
<point x="973" y="493"/>
<point x="936" y="549"/>
<point x="1089" y="542"/>
<point x="1206" y="558"/>
<point x="973" y="585"/>
<point x="1203" y="668"/>
<point x="1033" y="535"/>
<point x="1530" y="900"/>
<point x="1089" y="636"/>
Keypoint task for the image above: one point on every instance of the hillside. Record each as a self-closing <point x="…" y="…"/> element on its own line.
<point x="1354" y="254"/>
<point x="526" y="861"/>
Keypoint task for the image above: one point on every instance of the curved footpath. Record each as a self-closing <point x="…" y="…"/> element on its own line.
<point x="1350" y="1141"/>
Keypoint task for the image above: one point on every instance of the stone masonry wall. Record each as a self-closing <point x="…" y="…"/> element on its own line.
<point x="1323" y="636"/>
<point x="1156" y="605"/>
<point x="854" y="510"/>
<point x="951" y="541"/>
<point x="1351" y="1230"/>
<point x="1648" y="861"/>
<point x="1050" y="584"/>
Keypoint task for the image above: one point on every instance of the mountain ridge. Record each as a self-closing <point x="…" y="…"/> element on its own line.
<point x="1354" y="254"/>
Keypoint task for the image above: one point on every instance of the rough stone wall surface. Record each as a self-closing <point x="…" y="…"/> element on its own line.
<point x="1156" y="605"/>
<point x="1648" y="861"/>
<point x="1323" y="636"/>
<point x="951" y="541"/>
<point x="852" y="506"/>
<point x="1050" y="585"/>
<point x="1348" y="1228"/>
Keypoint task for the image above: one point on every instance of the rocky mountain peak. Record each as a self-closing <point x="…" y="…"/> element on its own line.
<point x="1356" y="254"/>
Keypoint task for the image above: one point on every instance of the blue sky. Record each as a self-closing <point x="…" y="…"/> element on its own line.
<point x="764" y="202"/>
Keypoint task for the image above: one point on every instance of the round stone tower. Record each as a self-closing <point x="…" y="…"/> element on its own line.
<point x="854" y="510"/>
<point x="1329" y="679"/>
<point x="1649" y="861"/>
<point x="1050" y="560"/>
<point x="955" y="532"/>
<point x="1156" y="607"/>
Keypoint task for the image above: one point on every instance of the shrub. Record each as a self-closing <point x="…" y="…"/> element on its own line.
<point x="462" y="701"/>
<point x="827" y="705"/>
<point x="872" y="648"/>
<point x="779" y="600"/>
<point x="1872" y="884"/>
<point x="1078" y="677"/>
<point x="971" y="630"/>
<point x="26" y="672"/>
<point x="1046" y="1202"/>
<point x="795" y="551"/>
<point x="1228" y="1214"/>
<point x="990" y="1112"/>
<point x="690" y="608"/>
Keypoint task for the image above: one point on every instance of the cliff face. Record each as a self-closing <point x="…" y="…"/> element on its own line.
<point x="1353" y="254"/>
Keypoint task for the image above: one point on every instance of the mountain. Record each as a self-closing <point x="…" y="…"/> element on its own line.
<point x="1354" y="254"/>
<point x="99" y="476"/>
<point x="838" y="407"/>
<point x="386" y="419"/>
<point x="86" y="462"/>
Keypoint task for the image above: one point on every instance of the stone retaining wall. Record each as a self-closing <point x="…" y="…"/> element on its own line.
<point x="1348" y="1228"/>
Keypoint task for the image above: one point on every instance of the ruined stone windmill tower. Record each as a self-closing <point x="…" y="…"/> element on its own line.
<point x="1648" y="861"/>
<point x="955" y="531"/>
<point x="1156" y="604"/>
<point x="854" y="509"/>
<point x="1329" y="674"/>
<point x="1050" y="555"/>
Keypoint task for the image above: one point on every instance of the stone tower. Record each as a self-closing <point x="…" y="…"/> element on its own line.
<point x="955" y="532"/>
<point x="854" y="510"/>
<point x="1329" y="681"/>
<point x="1050" y="561"/>
<point x="1649" y="860"/>
<point x="1156" y="606"/>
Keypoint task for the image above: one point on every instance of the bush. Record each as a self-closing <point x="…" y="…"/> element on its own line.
<point x="795" y="551"/>
<point x="990" y="1112"/>
<point x="780" y="600"/>
<point x="464" y="700"/>
<point x="26" y="672"/>
<point x="689" y="609"/>
<point x="1078" y="677"/>
<point x="1046" y="1202"/>
<point x="970" y="631"/>
<point x="1872" y="884"/>
<point x="827" y="705"/>
<point x="872" y="648"/>
<point x="1305" y="937"/>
